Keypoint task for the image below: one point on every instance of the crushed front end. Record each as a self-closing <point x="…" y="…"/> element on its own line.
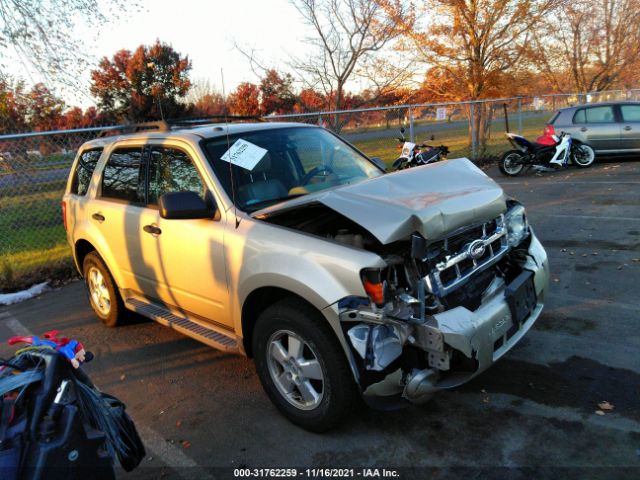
<point x="442" y="311"/>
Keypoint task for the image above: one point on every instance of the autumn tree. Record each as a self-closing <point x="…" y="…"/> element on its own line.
<point x="276" y="93"/>
<point x="310" y="100"/>
<point x="13" y="106"/>
<point x="245" y="100"/>
<point x="143" y="85"/>
<point x="476" y="45"/>
<point x="44" y="109"/>
<point x="591" y="45"/>
<point x="204" y="100"/>
<point x="347" y="33"/>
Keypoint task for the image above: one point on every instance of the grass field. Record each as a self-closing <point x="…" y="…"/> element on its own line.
<point x="33" y="243"/>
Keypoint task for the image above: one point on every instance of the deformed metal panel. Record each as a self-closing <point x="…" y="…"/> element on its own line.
<point x="431" y="200"/>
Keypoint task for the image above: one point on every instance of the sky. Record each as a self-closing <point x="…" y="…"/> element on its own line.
<point x="203" y="30"/>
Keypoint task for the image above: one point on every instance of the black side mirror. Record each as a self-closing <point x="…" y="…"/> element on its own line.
<point x="433" y="137"/>
<point x="379" y="163"/>
<point x="402" y="130"/>
<point x="184" y="205"/>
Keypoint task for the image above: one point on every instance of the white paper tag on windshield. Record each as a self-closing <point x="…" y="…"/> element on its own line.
<point x="244" y="154"/>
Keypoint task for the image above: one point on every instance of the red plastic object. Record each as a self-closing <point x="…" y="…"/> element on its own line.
<point x="547" y="137"/>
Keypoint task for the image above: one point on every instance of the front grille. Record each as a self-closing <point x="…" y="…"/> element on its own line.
<point x="454" y="262"/>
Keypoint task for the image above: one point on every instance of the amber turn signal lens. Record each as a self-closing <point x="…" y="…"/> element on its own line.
<point x="375" y="292"/>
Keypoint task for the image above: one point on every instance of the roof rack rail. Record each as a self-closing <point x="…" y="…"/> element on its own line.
<point x="160" y="126"/>
<point x="166" y="125"/>
<point x="195" y="121"/>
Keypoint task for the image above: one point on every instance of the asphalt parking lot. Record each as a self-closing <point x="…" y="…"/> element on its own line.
<point x="532" y="415"/>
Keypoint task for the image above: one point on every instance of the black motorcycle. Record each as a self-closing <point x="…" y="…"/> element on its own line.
<point x="414" y="155"/>
<point x="547" y="153"/>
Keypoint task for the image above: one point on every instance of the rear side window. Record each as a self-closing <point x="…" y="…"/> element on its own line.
<point x="121" y="176"/>
<point x="630" y="113"/>
<point x="595" y="115"/>
<point x="84" y="170"/>
<point x="171" y="170"/>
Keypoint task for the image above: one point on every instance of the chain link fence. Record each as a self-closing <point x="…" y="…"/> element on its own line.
<point x="33" y="174"/>
<point x="470" y="129"/>
<point x="34" y="166"/>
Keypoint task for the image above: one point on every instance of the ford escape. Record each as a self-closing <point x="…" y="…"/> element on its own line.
<point x="286" y="244"/>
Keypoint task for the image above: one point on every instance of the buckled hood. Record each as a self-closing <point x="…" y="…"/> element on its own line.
<point x="431" y="200"/>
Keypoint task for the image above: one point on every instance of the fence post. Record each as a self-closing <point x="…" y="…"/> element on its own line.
<point x="519" y="115"/>
<point x="411" y="137"/>
<point x="473" y="131"/>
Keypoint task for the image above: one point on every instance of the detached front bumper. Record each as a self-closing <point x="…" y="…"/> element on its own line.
<point x="459" y="343"/>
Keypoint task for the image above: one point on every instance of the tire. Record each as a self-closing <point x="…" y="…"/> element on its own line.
<point x="104" y="296"/>
<point x="582" y="155"/>
<point x="399" y="164"/>
<point x="507" y="168"/>
<point x="311" y="385"/>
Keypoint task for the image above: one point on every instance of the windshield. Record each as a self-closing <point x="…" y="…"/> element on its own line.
<point x="284" y="163"/>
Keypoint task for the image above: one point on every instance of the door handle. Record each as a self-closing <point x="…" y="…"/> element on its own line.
<point x="98" y="216"/>
<point x="583" y="129"/>
<point x="152" y="229"/>
<point x="627" y="128"/>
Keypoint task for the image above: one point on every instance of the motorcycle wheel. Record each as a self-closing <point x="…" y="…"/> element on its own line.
<point x="400" y="164"/>
<point x="511" y="163"/>
<point x="582" y="156"/>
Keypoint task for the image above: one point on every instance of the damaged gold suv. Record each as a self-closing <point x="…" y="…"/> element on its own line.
<point x="284" y="243"/>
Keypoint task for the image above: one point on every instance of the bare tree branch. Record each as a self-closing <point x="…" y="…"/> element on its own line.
<point x="347" y="35"/>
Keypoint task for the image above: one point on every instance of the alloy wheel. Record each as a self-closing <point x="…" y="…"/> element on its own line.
<point x="511" y="164"/>
<point x="98" y="291"/>
<point x="295" y="369"/>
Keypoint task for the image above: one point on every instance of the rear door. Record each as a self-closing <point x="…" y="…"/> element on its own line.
<point x="630" y="132"/>
<point x="598" y="127"/>
<point x="118" y="214"/>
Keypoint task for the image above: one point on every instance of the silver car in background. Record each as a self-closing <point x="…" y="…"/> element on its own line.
<point x="611" y="128"/>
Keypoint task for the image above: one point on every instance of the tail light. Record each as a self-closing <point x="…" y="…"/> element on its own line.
<point x="63" y="204"/>
<point x="374" y="286"/>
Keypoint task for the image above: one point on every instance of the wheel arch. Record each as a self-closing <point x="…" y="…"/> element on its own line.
<point x="80" y="250"/>
<point x="255" y="303"/>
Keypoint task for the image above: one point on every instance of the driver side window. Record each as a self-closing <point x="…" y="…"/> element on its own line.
<point x="171" y="170"/>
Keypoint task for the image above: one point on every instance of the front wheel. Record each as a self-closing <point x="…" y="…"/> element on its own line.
<point x="582" y="155"/>
<point x="302" y="367"/>
<point x="400" y="164"/>
<point x="511" y="163"/>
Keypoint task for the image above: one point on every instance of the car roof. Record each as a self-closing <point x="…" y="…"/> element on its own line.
<point x="211" y="130"/>
<point x="601" y="104"/>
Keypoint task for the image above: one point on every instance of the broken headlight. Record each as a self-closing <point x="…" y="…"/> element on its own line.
<point x="374" y="286"/>
<point x="517" y="226"/>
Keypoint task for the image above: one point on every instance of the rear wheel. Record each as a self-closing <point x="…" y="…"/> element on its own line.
<point x="103" y="294"/>
<point x="582" y="155"/>
<point x="301" y="365"/>
<point x="511" y="163"/>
